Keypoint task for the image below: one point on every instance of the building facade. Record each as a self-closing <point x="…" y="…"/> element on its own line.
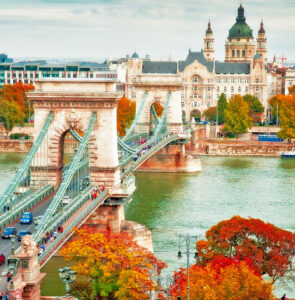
<point x="243" y="72"/>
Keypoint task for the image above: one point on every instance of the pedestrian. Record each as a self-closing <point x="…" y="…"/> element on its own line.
<point x="1" y="295"/>
<point x="5" y="296"/>
<point x="55" y="234"/>
<point x="284" y="297"/>
<point x="8" y="275"/>
<point x="61" y="229"/>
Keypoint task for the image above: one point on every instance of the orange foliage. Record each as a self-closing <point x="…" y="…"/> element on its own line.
<point x="114" y="264"/>
<point x="158" y="108"/>
<point x="270" y="249"/>
<point x="16" y="93"/>
<point x="222" y="279"/>
<point x="125" y="114"/>
<point x="291" y="90"/>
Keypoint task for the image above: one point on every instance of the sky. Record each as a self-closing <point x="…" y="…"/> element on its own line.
<point x="98" y="29"/>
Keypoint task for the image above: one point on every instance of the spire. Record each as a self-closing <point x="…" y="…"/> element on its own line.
<point x="209" y="30"/>
<point x="241" y="17"/>
<point x="261" y="30"/>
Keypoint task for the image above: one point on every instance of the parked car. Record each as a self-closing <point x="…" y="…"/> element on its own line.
<point x="2" y="259"/>
<point x="8" y="232"/>
<point x="21" y="234"/>
<point x="66" y="200"/>
<point x="27" y="218"/>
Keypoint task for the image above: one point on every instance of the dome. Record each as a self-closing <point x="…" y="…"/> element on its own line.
<point x="135" y="55"/>
<point x="240" y="29"/>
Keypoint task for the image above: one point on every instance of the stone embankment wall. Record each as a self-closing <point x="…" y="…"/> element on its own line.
<point x="7" y="145"/>
<point x="232" y="147"/>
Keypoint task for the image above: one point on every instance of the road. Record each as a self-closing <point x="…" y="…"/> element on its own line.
<point x="39" y="210"/>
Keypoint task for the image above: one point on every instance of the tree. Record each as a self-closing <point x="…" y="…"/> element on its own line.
<point x="291" y="90"/>
<point x="17" y="93"/>
<point x="255" y="107"/>
<point x="269" y="249"/>
<point x="11" y="114"/>
<point x="237" y="118"/>
<point x="125" y="114"/>
<point x="221" y="105"/>
<point x="222" y="279"/>
<point x="210" y="114"/>
<point x="114" y="265"/>
<point x="158" y="108"/>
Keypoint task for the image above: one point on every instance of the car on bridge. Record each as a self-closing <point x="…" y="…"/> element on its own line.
<point x="8" y="232"/>
<point x="27" y="218"/>
<point x="2" y="259"/>
<point x="22" y="233"/>
<point x="66" y="200"/>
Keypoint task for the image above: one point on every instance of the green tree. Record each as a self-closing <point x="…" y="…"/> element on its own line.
<point x="255" y="107"/>
<point x="287" y="118"/>
<point x="222" y="103"/>
<point x="237" y="118"/>
<point x="11" y="114"/>
<point x="210" y="114"/>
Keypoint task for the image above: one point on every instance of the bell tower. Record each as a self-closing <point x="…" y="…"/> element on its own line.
<point x="209" y="44"/>
<point x="261" y="43"/>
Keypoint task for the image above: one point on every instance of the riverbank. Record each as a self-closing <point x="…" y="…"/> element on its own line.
<point x="15" y="146"/>
<point x="232" y="147"/>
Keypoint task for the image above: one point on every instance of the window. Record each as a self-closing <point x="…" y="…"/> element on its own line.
<point x="218" y="80"/>
<point x="133" y="95"/>
<point x="8" y="75"/>
<point x="31" y="75"/>
<point x="208" y="104"/>
<point x="239" y="89"/>
<point x="232" y="80"/>
<point x="196" y="80"/>
<point x="208" y="80"/>
<point x="238" y="53"/>
<point x="182" y="104"/>
<point x="261" y="45"/>
<point x="209" y="88"/>
<point x="233" y="53"/>
<point x="195" y="88"/>
<point x="134" y="79"/>
<point x="218" y="95"/>
<point x="37" y="75"/>
<point x="232" y="89"/>
<point x="63" y="75"/>
<point x="195" y="104"/>
<point x="246" y="80"/>
<point x="218" y="89"/>
<point x="14" y="75"/>
<point x="257" y="89"/>
<point x="8" y="81"/>
<point x="239" y="80"/>
<point x="69" y="75"/>
<point x="182" y="96"/>
<point x="225" y="80"/>
<point x="225" y="89"/>
<point x="19" y="75"/>
<point x="243" y="53"/>
<point x="257" y="80"/>
<point x="290" y="82"/>
<point x="246" y="89"/>
<point x="75" y="75"/>
<point x="195" y="96"/>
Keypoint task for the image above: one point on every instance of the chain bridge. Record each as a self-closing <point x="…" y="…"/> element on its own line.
<point x="77" y="152"/>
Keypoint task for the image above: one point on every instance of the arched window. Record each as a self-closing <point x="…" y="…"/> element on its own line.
<point x="196" y="79"/>
<point x="208" y="45"/>
<point x="257" y="80"/>
<point x="261" y="45"/>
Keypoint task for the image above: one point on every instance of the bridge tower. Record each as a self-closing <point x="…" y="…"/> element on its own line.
<point x="72" y="103"/>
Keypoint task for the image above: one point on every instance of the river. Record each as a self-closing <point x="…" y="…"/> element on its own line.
<point x="172" y="204"/>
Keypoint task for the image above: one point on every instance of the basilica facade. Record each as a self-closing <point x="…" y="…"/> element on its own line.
<point x="244" y="70"/>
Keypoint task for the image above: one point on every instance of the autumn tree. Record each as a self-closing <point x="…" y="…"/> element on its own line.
<point x="125" y="114"/>
<point x="255" y="107"/>
<point x="158" y="108"/>
<point x="114" y="265"/>
<point x="210" y="114"/>
<point x="269" y="249"/>
<point x="237" y="118"/>
<point x="222" y="278"/>
<point x="11" y="114"/>
<point x="292" y="90"/>
<point x="221" y="106"/>
<point x="17" y="93"/>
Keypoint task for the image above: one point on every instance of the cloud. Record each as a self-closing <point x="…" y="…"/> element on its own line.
<point x="105" y="28"/>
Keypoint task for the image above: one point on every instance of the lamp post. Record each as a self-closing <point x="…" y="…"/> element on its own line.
<point x="68" y="276"/>
<point x="187" y="239"/>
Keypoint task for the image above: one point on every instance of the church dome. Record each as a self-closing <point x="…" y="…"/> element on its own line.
<point x="240" y="29"/>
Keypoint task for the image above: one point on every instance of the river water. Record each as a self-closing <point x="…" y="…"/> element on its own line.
<point x="173" y="204"/>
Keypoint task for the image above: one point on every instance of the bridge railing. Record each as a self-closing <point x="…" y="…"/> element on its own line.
<point x="63" y="237"/>
<point x="24" y="205"/>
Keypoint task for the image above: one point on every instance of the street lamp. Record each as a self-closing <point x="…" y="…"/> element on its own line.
<point x="187" y="239"/>
<point x="68" y="276"/>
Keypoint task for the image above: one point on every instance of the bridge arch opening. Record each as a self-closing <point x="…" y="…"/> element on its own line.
<point x="156" y="111"/>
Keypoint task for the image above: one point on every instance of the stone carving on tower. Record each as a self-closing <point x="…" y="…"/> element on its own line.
<point x="240" y="46"/>
<point x="73" y="118"/>
<point x="209" y="44"/>
<point x="261" y="43"/>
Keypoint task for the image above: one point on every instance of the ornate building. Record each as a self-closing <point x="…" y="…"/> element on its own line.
<point x="204" y="79"/>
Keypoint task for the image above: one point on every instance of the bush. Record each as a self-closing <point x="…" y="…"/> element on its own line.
<point x="27" y="137"/>
<point x="15" y="136"/>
